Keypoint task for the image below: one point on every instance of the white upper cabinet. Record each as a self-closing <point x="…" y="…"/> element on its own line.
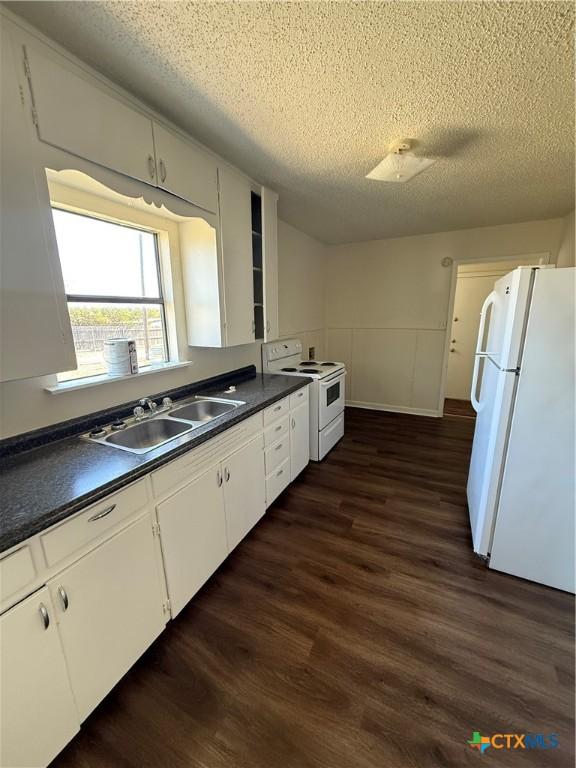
<point x="270" y="263"/>
<point x="75" y="113"/>
<point x="38" y="713"/>
<point x="35" y="334"/>
<point x="184" y="170"/>
<point x="236" y="256"/>
<point x="231" y="276"/>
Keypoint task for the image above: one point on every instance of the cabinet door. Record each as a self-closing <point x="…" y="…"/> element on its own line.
<point x="35" y="333"/>
<point x="270" y="263"/>
<point x="193" y="535"/>
<point x="244" y="490"/>
<point x="74" y="112"/>
<point x="38" y="716"/>
<point x="185" y="170"/>
<point x="299" y="439"/>
<point x="110" y="610"/>
<point x="236" y="249"/>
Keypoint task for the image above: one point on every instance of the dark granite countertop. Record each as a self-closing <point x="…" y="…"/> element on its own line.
<point x="46" y="484"/>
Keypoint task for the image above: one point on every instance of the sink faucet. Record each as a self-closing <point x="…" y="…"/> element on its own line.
<point x="146" y="401"/>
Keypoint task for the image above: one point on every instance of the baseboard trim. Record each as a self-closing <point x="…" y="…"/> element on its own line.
<point x="394" y="408"/>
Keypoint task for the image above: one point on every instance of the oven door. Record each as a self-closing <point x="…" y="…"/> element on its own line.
<point x="331" y="403"/>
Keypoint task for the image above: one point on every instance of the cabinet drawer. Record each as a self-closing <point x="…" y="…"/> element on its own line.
<point x="276" y="454"/>
<point x="277" y="481"/>
<point x="16" y="570"/>
<point x="93" y="522"/>
<point x="199" y="460"/>
<point x="299" y="397"/>
<point x="275" y="431"/>
<point x="276" y="411"/>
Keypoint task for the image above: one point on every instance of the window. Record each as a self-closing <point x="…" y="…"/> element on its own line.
<point x="113" y="287"/>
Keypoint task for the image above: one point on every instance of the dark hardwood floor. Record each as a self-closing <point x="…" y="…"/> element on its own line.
<point x="453" y="407"/>
<point x="353" y="628"/>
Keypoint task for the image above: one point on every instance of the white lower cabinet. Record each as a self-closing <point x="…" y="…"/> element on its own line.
<point x="109" y="611"/>
<point x="37" y="716"/>
<point x="203" y="521"/>
<point x="299" y="439"/>
<point x="193" y="533"/>
<point x="66" y="646"/>
<point x="287" y="439"/>
<point x="244" y="496"/>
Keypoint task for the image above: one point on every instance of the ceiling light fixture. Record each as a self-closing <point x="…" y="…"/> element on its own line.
<point x="400" y="164"/>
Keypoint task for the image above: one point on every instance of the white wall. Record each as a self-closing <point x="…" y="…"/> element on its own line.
<point x="387" y="305"/>
<point x="566" y="252"/>
<point x="301" y="287"/>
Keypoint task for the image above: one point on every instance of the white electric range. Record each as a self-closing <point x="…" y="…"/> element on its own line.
<point x="326" y="391"/>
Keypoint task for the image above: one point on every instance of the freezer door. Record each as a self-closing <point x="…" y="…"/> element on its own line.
<point x="534" y="533"/>
<point x="513" y="293"/>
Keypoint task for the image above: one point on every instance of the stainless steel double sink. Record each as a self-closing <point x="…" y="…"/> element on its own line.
<point x="139" y="435"/>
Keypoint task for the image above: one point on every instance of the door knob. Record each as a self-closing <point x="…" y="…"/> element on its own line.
<point x="452" y="349"/>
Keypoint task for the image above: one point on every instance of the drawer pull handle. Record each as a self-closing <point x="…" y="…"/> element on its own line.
<point x="278" y="408"/>
<point x="162" y="171"/>
<point x="227" y="474"/>
<point x="63" y="597"/>
<point x="280" y="472"/>
<point x="278" y="447"/>
<point x="44" y="614"/>
<point x="219" y="479"/>
<point x="278" y="428"/>
<point x="100" y="515"/>
<point x="293" y="423"/>
<point x="300" y="394"/>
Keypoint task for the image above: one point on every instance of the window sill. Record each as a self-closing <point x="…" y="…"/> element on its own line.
<point x="103" y="379"/>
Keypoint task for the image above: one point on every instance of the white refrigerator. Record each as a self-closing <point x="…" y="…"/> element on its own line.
<point x="521" y="481"/>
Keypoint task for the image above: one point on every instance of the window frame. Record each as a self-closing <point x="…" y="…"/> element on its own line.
<point x="105" y="299"/>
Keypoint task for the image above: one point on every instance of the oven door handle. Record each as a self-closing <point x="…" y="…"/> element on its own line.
<point x="329" y="382"/>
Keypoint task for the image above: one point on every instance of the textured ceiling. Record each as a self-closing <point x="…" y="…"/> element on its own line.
<point x="306" y="97"/>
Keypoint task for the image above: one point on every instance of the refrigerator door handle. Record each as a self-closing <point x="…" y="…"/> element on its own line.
<point x="473" y="400"/>
<point x="490" y="299"/>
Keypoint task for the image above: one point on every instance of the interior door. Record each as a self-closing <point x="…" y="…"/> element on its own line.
<point x="185" y="170"/>
<point x="299" y="439"/>
<point x="38" y="716"/>
<point x="244" y="490"/>
<point x="193" y="535"/>
<point x="236" y="247"/>
<point x="471" y="292"/>
<point x="110" y="610"/>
